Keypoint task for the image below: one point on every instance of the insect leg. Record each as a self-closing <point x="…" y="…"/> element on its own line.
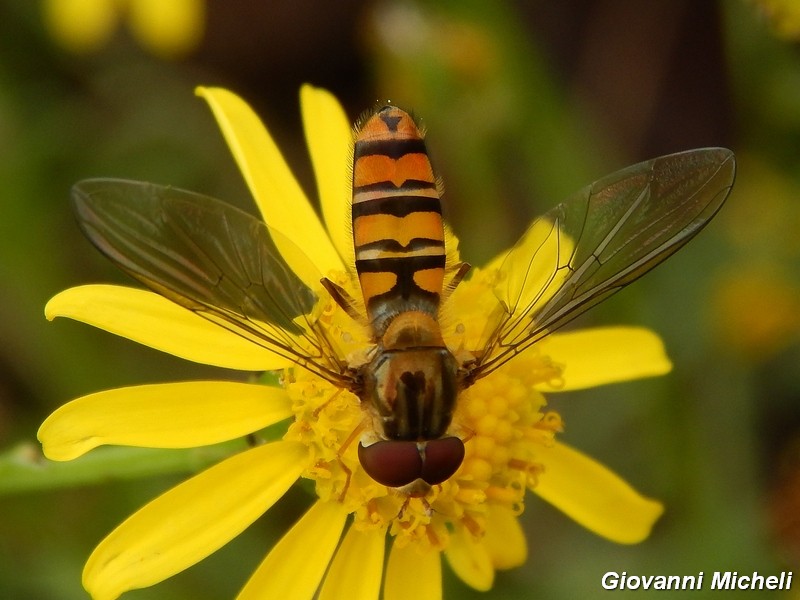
<point x="341" y="297"/>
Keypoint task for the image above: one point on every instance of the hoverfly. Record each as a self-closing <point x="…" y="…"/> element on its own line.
<point x="226" y="266"/>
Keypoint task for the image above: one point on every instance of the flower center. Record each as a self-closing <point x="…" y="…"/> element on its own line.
<point x="501" y="419"/>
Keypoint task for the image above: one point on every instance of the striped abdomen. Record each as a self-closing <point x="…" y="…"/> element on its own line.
<point x="397" y="219"/>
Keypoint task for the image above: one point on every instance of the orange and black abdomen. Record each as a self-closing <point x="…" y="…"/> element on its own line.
<point x="397" y="219"/>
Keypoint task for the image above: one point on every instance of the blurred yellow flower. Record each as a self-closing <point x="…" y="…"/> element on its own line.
<point x="756" y="311"/>
<point x="755" y="304"/>
<point x="167" y="29"/>
<point x="783" y="15"/>
<point x="337" y="548"/>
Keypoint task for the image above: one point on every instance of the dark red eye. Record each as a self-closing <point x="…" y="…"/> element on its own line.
<point x="396" y="463"/>
<point x="393" y="464"/>
<point x="442" y="459"/>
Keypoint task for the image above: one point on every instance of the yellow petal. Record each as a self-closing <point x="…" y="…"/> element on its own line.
<point x="470" y="560"/>
<point x="356" y="569"/>
<point x="534" y="269"/>
<point x="295" y="566"/>
<point x="472" y="311"/>
<point x="595" y="497"/>
<point x="170" y="415"/>
<point x="411" y="573"/>
<point x="280" y="199"/>
<point x="154" y="321"/>
<point x="329" y="138"/>
<point x="169" y="29"/>
<point x="505" y="540"/>
<point x="593" y="357"/>
<point x="192" y="520"/>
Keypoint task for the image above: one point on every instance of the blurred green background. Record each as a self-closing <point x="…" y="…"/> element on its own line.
<point x="525" y="102"/>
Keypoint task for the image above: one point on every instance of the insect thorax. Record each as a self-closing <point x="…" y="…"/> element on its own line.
<point x="411" y="383"/>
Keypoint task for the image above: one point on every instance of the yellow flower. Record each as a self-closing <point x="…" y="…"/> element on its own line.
<point x="337" y="547"/>
<point x="167" y="29"/>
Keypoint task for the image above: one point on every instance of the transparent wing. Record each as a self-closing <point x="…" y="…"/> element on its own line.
<point x="212" y="259"/>
<point x="600" y="240"/>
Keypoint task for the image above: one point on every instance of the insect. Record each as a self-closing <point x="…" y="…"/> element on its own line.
<point x="226" y="266"/>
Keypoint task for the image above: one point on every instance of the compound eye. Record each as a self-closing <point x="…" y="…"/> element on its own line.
<point x="442" y="459"/>
<point x="396" y="463"/>
<point x="391" y="463"/>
